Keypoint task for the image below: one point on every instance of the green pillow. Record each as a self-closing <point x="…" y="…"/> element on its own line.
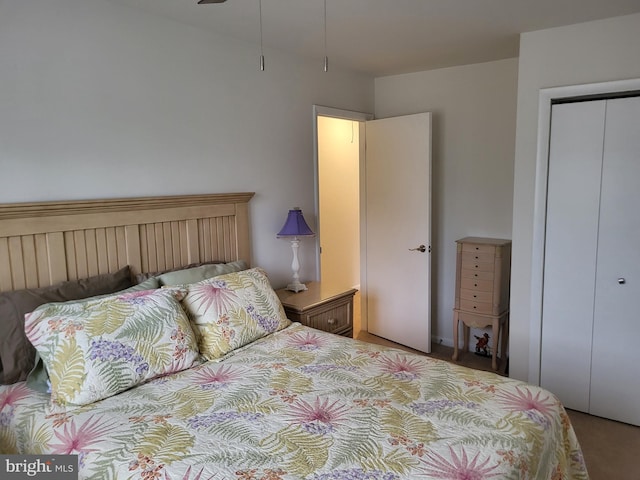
<point x="203" y="272"/>
<point x="141" y="277"/>
<point x="149" y="284"/>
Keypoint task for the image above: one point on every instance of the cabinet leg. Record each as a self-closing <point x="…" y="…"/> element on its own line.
<point x="504" y="339"/>
<point x="455" y="336"/>
<point x="496" y="332"/>
<point x="466" y="330"/>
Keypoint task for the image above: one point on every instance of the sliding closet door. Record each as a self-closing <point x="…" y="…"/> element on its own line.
<point x="615" y="373"/>
<point x="575" y="161"/>
<point x="590" y="323"/>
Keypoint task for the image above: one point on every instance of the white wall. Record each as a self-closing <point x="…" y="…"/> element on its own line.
<point x="474" y="112"/>
<point x="591" y="52"/>
<point x="99" y="100"/>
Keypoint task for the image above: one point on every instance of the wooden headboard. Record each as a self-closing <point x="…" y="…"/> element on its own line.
<point x="47" y="242"/>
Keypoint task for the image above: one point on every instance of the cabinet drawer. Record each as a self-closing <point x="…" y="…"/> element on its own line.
<point x="478" y="285"/>
<point x="469" y="258"/>
<point x="478" y="248"/>
<point x="476" y="295"/>
<point x="477" y="274"/>
<point x="332" y="320"/>
<point x="478" y="266"/>
<point x="477" y="307"/>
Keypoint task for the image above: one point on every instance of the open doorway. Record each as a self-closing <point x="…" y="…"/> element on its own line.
<point x="338" y="197"/>
<point x="338" y="200"/>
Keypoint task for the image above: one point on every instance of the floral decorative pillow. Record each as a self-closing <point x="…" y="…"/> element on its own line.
<point x="232" y="310"/>
<point x="96" y="348"/>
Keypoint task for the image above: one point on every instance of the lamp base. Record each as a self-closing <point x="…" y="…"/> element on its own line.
<point x="296" y="287"/>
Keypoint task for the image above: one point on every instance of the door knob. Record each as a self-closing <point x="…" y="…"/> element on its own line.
<point x="420" y="249"/>
<point x="622" y="281"/>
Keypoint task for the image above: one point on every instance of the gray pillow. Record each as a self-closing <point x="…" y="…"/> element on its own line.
<point x="17" y="355"/>
<point x="193" y="275"/>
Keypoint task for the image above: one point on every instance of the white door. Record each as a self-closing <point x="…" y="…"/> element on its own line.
<point x="615" y="371"/>
<point x="575" y="158"/>
<point x="397" y="263"/>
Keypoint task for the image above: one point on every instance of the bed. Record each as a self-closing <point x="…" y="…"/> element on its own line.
<point x="182" y="364"/>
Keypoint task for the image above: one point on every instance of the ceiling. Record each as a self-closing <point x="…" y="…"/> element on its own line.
<point x="387" y="37"/>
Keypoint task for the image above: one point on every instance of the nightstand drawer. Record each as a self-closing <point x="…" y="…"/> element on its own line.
<point x="335" y="320"/>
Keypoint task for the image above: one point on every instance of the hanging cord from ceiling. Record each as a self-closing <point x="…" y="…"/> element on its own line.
<point x="261" y="51"/>
<point x="262" y="65"/>
<point x="326" y="59"/>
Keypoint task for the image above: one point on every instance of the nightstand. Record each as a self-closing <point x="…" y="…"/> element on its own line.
<point x="324" y="307"/>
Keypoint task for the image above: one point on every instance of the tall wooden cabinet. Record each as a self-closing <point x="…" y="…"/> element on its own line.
<point x="483" y="269"/>
<point x="591" y="280"/>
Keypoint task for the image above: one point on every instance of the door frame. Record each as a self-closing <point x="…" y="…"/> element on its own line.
<point x="545" y="99"/>
<point x="360" y="117"/>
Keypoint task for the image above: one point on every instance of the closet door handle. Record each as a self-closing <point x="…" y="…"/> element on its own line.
<point x="622" y="281"/>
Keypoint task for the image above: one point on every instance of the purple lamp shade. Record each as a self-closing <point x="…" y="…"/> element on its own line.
<point x="295" y="226"/>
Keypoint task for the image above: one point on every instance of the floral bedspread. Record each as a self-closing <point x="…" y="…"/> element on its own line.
<point x="304" y="404"/>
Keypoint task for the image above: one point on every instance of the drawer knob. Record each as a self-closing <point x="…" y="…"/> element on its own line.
<point x="622" y="281"/>
<point x="331" y="321"/>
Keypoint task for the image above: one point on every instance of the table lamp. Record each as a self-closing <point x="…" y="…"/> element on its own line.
<point x="294" y="227"/>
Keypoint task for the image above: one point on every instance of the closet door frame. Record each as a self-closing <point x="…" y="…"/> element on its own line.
<point x="546" y="97"/>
